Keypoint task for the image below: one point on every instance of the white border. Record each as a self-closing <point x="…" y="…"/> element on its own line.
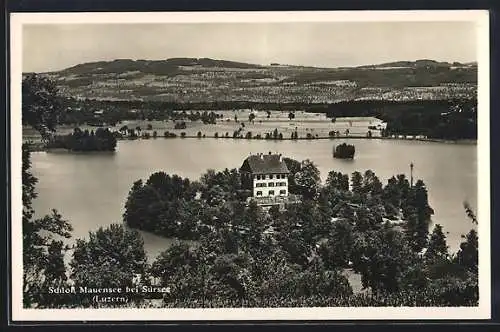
<point x="483" y="311"/>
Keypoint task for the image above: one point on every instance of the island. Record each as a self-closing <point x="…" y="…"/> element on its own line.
<point x="344" y="151"/>
<point x="102" y="139"/>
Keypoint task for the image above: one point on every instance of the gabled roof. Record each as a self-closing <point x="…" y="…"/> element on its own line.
<point x="265" y="164"/>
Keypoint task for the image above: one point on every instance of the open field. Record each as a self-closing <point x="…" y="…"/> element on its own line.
<point x="305" y="123"/>
<point x="207" y="80"/>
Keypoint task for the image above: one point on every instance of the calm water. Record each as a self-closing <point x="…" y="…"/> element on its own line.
<point x="90" y="189"/>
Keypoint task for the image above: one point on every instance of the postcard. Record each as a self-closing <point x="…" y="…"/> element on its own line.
<point x="277" y="166"/>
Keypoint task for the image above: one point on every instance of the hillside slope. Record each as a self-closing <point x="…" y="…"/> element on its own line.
<point x="204" y="79"/>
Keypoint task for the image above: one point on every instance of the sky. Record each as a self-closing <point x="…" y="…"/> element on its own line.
<point x="51" y="47"/>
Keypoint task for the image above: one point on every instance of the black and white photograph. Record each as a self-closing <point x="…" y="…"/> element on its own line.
<point x="242" y="166"/>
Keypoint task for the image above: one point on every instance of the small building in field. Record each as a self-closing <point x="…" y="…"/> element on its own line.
<point x="266" y="175"/>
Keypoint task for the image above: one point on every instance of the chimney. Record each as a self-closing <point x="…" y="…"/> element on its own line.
<point x="261" y="155"/>
<point x="281" y="158"/>
<point x="269" y="152"/>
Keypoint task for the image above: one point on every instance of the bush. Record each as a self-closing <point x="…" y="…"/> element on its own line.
<point x="168" y="134"/>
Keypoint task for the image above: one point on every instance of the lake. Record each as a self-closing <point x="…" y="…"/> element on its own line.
<point x="90" y="189"/>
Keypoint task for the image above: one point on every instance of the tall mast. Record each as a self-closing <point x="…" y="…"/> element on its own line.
<point x="411" y="175"/>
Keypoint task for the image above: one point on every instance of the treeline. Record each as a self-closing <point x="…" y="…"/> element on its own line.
<point x="99" y="140"/>
<point x="441" y="119"/>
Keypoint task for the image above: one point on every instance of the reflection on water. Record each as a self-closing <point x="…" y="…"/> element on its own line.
<point x="90" y="189"/>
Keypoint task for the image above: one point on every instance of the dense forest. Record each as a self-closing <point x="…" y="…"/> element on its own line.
<point x="444" y="119"/>
<point x="295" y="257"/>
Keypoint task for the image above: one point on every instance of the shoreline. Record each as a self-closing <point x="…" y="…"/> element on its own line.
<point x="39" y="147"/>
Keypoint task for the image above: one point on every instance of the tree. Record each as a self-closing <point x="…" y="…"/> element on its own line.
<point x="251" y="117"/>
<point x="337" y="181"/>
<point x="41" y="104"/>
<point x="293" y="166"/>
<point x="308" y="179"/>
<point x="357" y="183"/>
<point x="41" y="242"/>
<point x="123" y="130"/>
<point x="470" y="214"/>
<point x="417" y="211"/>
<point x="182" y="267"/>
<point x="336" y="250"/>
<point x="382" y="257"/>
<point x="468" y="254"/>
<point x="371" y="183"/>
<point x="110" y="257"/>
<point x="437" y="248"/>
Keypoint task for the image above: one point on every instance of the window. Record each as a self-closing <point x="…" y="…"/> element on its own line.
<point x="282" y="192"/>
<point x="260" y="184"/>
<point x="271" y="176"/>
<point x="271" y="192"/>
<point x="271" y="184"/>
<point x="259" y="193"/>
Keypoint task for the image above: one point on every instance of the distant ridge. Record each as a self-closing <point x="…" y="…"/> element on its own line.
<point x="423" y="63"/>
<point x="170" y="66"/>
<point x="158" y="67"/>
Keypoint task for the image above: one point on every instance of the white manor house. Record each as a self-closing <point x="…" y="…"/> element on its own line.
<point x="266" y="175"/>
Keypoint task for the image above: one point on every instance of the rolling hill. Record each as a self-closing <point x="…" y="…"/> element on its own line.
<point x="204" y="79"/>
